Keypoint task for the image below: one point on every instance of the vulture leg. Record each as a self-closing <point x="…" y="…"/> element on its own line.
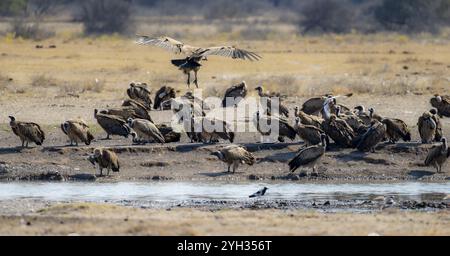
<point x="23" y="143"/>
<point x="229" y="165"/>
<point x="26" y="144"/>
<point x="195" y="80"/>
<point x="436" y="165"/>
<point x="235" y="166"/>
<point x="189" y="79"/>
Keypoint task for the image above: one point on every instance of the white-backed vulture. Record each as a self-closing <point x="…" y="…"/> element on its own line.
<point x="104" y="159"/>
<point x="337" y="129"/>
<point x="284" y="128"/>
<point x="427" y="127"/>
<point x="438" y="155"/>
<point x="235" y="94"/>
<point x="439" y="135"/>
<point x="310" y="134"/>
<point x="27" y="132"/>
<point x="145" y="130"/>
<point x="396" y="129"/>
<point x="164" y="94"/>
<point x="266" y="100"/>
<point x="309" y="156"/>
<point x="374" y="135"/>
<point x="374" y="115"/>
<point x="308" y="119"/>
<point x="442" y="104"/>
<point x="352" y="120"/>
<point x="140" y="93"/>
<point x="113" y="125"/>
<point x="77" y="131"/>
<point x="127" y="112"/>
<point x="235" y="155"/>
<point x="360" y="111"/>
<point x="194" y="55"/>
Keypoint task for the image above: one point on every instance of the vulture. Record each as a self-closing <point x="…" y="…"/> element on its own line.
<point x="209" y="132"/>
<point x="284" y="128"/>
<point x="310" y="134"/>
<point x="169" y="134"/>
<point x="308" y="119"/>
<point x="396" y="129"/>
<point x="314" y="105"/>
<point x="194" y="55"/>
<point x="145" y="130"/>
<point x="113" y="125"/>
<point x="137" y="105"/>
<point x="127" y="112"/>
<point x="165" y="93"/>
<point x="309" y="156"/>
<point x="234" y="94"/>
<point x="263" y="93"/>
<point x="438" y="136"/>
<point x="105" y="159"/>
<point x="370" y="139"/>
<point x="77" y="131"/>
<point x="427" y="127"/>
<point x="196" y="100"/>
<point x="352" y="120"/>
<point x="235" y="155"/>
<point x="27" y="132"/>
<point x="373" y="115"/>
<point x="140" y="93"/>
<point x="442" y="104"/>
<point x="438" y="155"/>
<point x="336" y="128"/>
<point x="265" y="98"/>
<point x="361" y="113"/>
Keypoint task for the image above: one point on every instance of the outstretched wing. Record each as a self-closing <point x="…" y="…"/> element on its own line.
<point x="231" y="52"/>
<point x="166" y="43"/>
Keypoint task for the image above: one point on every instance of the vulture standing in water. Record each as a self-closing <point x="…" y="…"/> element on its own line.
<point x="336" y="128"/>
<point x="309" y="156"/>
<point x="105" y="159"/>
<point x="27" y="132"/>
<point x="113" y="125"/>
<point x="282" y="109"/>
<point x="140" y="93"/>
<point x="442" y="104"/>
<point x="396" y="129"/>
<point x="308" y="119"/>
<point x="438" y="136"/>
<point x="438" y="155"/>
<point x="127" y="112"/>
<point x="235" y="155"/>
<point x="284" y="128"/>
<point x="374" y="135"/>
<point x="194" y="55"/>
<point x="310" y="134"/>
<point x="77" y="131"/>
<point x="164" y="94"/>
<point x="235" y="94"/>
<point x="427" y="127"/>
<point x="146" y="130"/>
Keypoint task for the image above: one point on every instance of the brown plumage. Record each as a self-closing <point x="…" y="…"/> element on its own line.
<point x="374" y="135"/>
<point x="438" y="155"/>
<point x="374" y="115"/>
<point x="337" y="129"/>
<point x="146" y="130"/>
<point x="77" y="131"/>
<point x="127" y="112"/>
<point x="308" y="119"/>
<point x="284" y="128"/>
<point x="396" y="129"/>
<point x="210" y="130"/>
<point x="352" y="120"/>
<point x="105" y="159"/>
<point x="113" y="125"/>
<point x="164" y="94"/>
<point x="308" y="156"/>
<point x="234" y="95"/>
<point x="169" y="134"/>
<point x="196" y="100"/>
<point x="313" y="106"/>
<point x="427" y="127"/>
<point x="137" y="105"/>
<point x="442" y="104"/>
<point x="438" y="135"/>
<point x="27" y="132"/>
<point x="363" y="116"/>
<point x="266" y="101"/>
<point x="310" y="134"/>
<point x="194" y="55"/>
<point x="139" y="92"/>
<point x="235" y="155"/>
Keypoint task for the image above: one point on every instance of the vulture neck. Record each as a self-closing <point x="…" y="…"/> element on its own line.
<point x="326" y="112"/>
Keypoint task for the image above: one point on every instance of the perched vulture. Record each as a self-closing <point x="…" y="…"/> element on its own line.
<point x="77" y="131"/>
<point x="27" y="132"/>
<point x="396" y="129"/>
<point x="360" y="112"/>
<point x="438" y="155"/>
<point x="113" y="125"/>
<point x="308" y="119"/>
<point x="337" y="129"/>
<point x="194" y="55"/>
<point x="266" y="100"/>
<point x="374" y="135"/>
<point x="146" y="130"/>
<point x="127" y="112"/>
<point x="235" y="155"/>
<point x="439" y="135"/>
<point x="165" y="93"/>
<point x="309" y="156"/>
<point x="234" y="94"/>
<point x="427" y="127"/>
<point x="140" y="93"/>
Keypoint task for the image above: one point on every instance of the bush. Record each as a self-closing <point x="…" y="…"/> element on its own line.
<point x="106" y="17"/>
<point x="12" y="7"/>
<point x="20" y="27"/>
<point x="326" y="16"/>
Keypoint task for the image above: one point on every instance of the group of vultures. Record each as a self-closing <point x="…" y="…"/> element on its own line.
<point x="321" y="123"/>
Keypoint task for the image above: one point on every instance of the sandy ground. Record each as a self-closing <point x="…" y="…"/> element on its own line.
<point x="105" y="219"/>
<point x="186" y="161"/>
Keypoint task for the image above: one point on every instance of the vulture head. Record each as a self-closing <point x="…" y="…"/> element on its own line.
<point x="12" y="118"/>
<point x="218" y="154"/>
<point x="360" y="109"/>
<point x="433" y="111"/>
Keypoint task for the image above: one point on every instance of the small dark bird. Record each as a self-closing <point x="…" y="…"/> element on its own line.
<point x="259" y="193"/>
<point x="27" y="132"/>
